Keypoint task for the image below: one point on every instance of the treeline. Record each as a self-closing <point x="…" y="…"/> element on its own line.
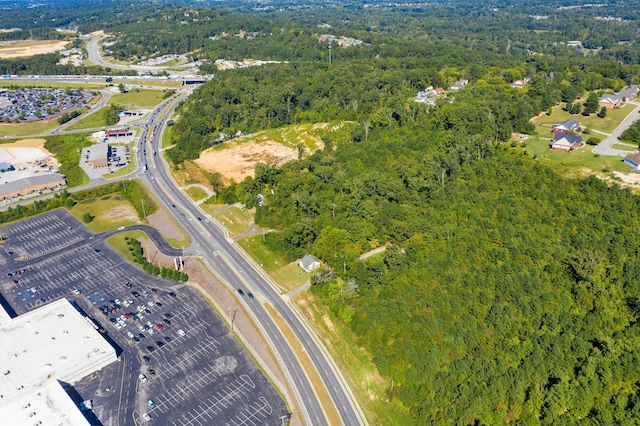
<point x="136" y="251"/>
<point x="380" y="93"/>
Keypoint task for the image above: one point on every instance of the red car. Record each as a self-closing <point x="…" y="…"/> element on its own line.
<point x="127" y="315"/>
<point x="159" y="326"/>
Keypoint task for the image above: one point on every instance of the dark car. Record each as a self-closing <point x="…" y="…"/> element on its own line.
<point x="146" y="358"/>
<point x="166" y="321"/>
<point x="135" y="294"/>
<point x="152" y="371"/>
<point x="151" y="348"/>
<point x="128" y="284"/>
<point x="250" y="295"/>
<point x="167" y="315"/>
<point x="240" y="292"/>
<point x="167" y="339"/>
<point x="160" y="344"/>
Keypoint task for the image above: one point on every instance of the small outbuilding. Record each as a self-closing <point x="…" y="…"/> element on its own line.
<point x="309" y="263"/>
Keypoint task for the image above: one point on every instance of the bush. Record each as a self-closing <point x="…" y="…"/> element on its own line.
<point x="593" y="141"/>
<point x="87" y="218"/>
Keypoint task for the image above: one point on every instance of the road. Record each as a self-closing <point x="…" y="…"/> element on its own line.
<point x="93" y="51"/>
<point x="211" y="244"/>
<point x="606" y="146"/>
<point x="228" y="262"/>
<point x="106" y="95"/>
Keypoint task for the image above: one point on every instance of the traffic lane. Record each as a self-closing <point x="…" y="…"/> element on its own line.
<point x="304" y="388"/>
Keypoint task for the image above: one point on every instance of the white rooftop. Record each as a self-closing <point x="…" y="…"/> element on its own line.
<point x="50" y="405"/>
<point x="49" y="344"/>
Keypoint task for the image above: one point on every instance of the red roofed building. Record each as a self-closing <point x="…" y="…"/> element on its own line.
<point x="118" y="133"/>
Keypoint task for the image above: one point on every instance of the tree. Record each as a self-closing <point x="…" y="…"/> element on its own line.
<point x="591" y="105"/>
<point x="87" y="218"/>
<point x="603" y="112"/>
<point x="122" y="88"/>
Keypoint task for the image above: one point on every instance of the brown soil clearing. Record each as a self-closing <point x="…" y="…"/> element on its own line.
<point x="22" y="49"/>
<point x="238" y="161"/>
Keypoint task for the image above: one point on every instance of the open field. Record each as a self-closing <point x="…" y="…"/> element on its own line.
<point x="237" y="158"/>
<point x="51" y="84"/>
<point x="196" y="193"/>
<point x="235" y="220"/>
<point x="26" y="48"/>
<point x="111" y="211"/>
<point x="572" y="163"/>
<point x="138" y="97"/>
<point x="28" y="129"/>
<point x="607" y="125"/>
<point x="96" y="119"/>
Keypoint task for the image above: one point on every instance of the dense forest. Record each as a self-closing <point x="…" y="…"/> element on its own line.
<point x="506" y="293"/>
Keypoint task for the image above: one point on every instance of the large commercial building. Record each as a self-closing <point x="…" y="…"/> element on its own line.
<point x="42" y="351"/>
<point x="31" y="184"/>
<point x="99" y="155"/>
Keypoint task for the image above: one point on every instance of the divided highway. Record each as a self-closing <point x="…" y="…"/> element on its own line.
<point x="211" y="244"/>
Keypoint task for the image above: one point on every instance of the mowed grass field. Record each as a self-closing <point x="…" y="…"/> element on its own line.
<point x="110" y="212"/>
<point x="138" y="98"/>
<point x="27" y="129"/>
<point x="544" y="123"/>
<point x="577" y="163"/>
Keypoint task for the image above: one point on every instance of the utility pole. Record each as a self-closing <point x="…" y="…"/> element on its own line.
<point x="329" y="52"/>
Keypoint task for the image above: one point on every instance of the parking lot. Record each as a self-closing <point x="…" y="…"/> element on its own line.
<point x="178" y="364"/>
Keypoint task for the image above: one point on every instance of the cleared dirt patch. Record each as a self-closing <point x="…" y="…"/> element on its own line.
<point x="237" y="161"/>
<point x="26" y="48"/>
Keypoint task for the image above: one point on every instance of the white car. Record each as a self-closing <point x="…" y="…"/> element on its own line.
<point x="146" y="416"/>
<point x="117" y="301"/>
<point x="141" y="328"/>
<point x="142" y="378"/>
<point x="125" y="303"/>
<point x="150" y="304"/>
<point x="130" y="334"/>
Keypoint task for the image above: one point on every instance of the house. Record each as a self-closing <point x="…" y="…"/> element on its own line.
<point x="309" y="263"/>
<point x="565" y="127"/>
<point x="617" y="99"/>
<point x="630" y="93"/>
<point x="633" y="160"/>
<point x="564" y="142"/>
<point x="610" y="101"/>
<point x="459" y="84"/>
<point x="118" y="133"/>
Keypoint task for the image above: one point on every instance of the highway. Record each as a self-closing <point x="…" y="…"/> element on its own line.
<point x="228" y="262"/>
<point x="211" y="244"/>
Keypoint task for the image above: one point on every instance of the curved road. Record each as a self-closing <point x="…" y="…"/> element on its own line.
<point x="606" y="146"/>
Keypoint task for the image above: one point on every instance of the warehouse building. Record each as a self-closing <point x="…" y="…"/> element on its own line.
<point x="42" y="351"/>
<point x="99" y="156"/>
<point x="31" y="184"/>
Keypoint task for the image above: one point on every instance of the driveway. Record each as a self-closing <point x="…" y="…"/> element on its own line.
<point x="606" y="146"/>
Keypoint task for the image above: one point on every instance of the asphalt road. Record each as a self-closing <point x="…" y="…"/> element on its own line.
<point x="211" y="244"/>
<point x="239" y="272"/>
<point x="606" y="146"/>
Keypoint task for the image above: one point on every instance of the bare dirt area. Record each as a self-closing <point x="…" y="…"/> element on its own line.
<point x="161" y="221"/>
<point x="631" y="180"/>
<point x="237" y="161"/>
<point x="26" y="48"/>
<point x="123" y="211"/>
<point x="25" y="152"/>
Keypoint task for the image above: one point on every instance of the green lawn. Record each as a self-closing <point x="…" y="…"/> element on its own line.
<point x="53" y="85"/>
<point x="138" y="98"/>
<point x="119" y="243"/>
<point x="572" y="162"/>
<point x="196" y="193"/>
<point x="96" y="119"/>
<point x="111" y="212"/>
<point x="235" y="220"/>
<point x="288" y="275"/>
<point x="607" y="125"/>
<point x="624" y="147"/>
<point x="123" y="171"/>
<point x="28" y="129"/>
